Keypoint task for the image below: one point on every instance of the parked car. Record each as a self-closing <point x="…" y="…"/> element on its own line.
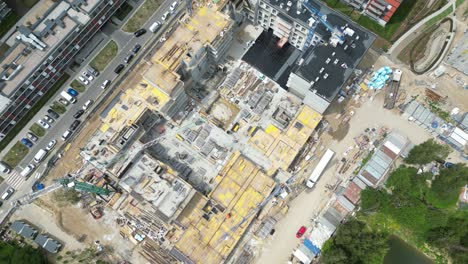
<point x="165" y="16"/>
<point x="301" y="231"/>
<point x="136" y="48"/>
<point x="75" y="124"/>
<point x="43" y="124"/>
<point x="27" y="142"/>
<point x="119" y="68"/>
<point x="49" y="119"/>
<point x="64" y="101"/>
<point x="51" y="144"/>
<point x="128" y="58"/>
<point x="4" y="168"/>
<point x="88" y="76"/>
<point x="53" y="114"/>
<point x="105" y="84"/>
<point x="66" y="135"/>
<point x="139" y="32"/>
<point x="173" y="6"/>
<point x="78" y="113"/>
<point x="87" y="104"/>
<point x="72" y="92"/>
<point x="28" y="170"/>
<point x="32" y="137"/>
<point x="93" y="71"/>
<point x="155" y="26"/>
<point x="8" y="193"/>
<point x="83" y="80"/>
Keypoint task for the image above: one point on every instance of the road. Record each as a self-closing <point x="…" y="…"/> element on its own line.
<point x="126" y="42"/>
<point x="309" y="204"/>
<point x="410" y="34"/>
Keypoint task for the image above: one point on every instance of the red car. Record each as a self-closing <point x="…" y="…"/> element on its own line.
<point x="301" y="231"/>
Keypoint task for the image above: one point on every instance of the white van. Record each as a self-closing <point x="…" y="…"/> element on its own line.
<point x="68" y="97"/>
<point x="27" y="171"/>
<point x="40" y="155"/>
<point x="155" y="26"/>
<point x="4" y="167"/>
<point x="66" y="135"/>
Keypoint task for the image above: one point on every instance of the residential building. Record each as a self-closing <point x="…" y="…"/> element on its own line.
<point x="47" y="243"/>
<point x="41" y="53"/>
<point x="310" y="55"/>
<point x="23" y="229"/>
<point x="379" y="10"/>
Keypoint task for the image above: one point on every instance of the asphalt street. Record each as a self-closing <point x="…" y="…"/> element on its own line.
<point x="126" y="42"/>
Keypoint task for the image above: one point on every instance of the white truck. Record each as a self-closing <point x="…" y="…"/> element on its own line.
<point x="68" y="97"/>
<point x="317" y="172"/>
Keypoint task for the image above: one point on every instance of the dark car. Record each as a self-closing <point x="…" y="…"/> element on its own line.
<point x="119" y="68"/>
<point x="128" y="59"/>
<point x="136" y="48"/>
<point x="53" y="114"/>
<point x="27" y="142"/>
<point x="78" y="113"/>
<point x="139" y="32"/>
<point x="75" y="124"/>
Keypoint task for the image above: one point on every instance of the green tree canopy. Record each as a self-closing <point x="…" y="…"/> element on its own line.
<point x="14" y="254"/>
<point x="354" y="242"/>
<point x="427" y="152"/>
<point x="446" y="186"/>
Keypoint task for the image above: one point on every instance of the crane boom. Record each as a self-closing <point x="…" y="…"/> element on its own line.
<point x="337" y="34"/>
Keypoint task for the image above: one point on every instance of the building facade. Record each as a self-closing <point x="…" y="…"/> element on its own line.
<point x="43" y="51"/>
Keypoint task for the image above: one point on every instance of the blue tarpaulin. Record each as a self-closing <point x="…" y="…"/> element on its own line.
<point x="311" y="247"/>
<point x="379" y="78"/>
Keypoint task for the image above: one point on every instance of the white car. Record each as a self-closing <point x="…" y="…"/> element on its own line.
<point x="173" y="6"/>
<point x="105" y="84"/>
<point x="88" y="76"/>
<point x="43" y="124"/>
<point x="83" y="80"/>
<point x="164" y="16"/>
<point x="51" y="145"/>
<point x="87" y="104"/>
<point x="66" y="135"/>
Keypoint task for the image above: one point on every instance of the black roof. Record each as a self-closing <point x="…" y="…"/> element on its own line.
<point x="278" y="63"/>
<point x="24" y="229"/>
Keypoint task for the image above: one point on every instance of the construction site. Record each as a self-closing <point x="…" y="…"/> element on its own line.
<point x="202" y="152"/>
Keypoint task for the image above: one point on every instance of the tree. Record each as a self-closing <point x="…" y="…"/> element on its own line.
<point x="446" y="186"/>
<point x="405" y="181"/>
<point x="372" y="200"/>
<point x="354" y="242"/>
<point x="14" y="254"/>
<point x="427" y="152"/>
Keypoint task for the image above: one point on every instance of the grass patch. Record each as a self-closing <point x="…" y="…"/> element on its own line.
<point x="58" y="107"/>
<point x="79" y="87"/>
<point x="439" y="112"/>
<point x="29" y="3"/>
<point x="8" y="23"/>
<point x="439" y="17"/>
<point x="37" y="130"/>
<point x="16" y="154"/>
<point x="103" y="58"/>
<point x="123" y="11"/>
<point x="3" y="49"/>
<point x="386" y="32"/>
<point x="141" y="15"/>
<point x="459" y="3"/>
<point x="30" y="114"/>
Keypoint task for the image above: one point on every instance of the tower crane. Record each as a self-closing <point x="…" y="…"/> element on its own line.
<point x="276" y="191"/>
<point x="338" y="36"/>
<point x="69" y="182"/>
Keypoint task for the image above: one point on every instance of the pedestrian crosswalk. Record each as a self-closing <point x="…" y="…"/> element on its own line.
<point x="15" y="180"/>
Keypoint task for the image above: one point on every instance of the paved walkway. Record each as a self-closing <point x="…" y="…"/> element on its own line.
<point x="410" y="34"/>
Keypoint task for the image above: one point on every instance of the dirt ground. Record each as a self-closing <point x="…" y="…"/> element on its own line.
<point x="309" y="203"/>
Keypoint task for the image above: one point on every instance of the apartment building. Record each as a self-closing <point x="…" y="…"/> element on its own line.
<point x="42" y="51"/>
